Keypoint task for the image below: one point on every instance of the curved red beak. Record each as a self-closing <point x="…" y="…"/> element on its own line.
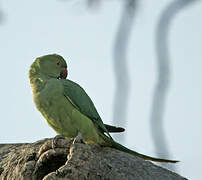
<point x="64" y="73"/>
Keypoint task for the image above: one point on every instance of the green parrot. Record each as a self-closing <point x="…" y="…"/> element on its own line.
<point x="68" y="109"/>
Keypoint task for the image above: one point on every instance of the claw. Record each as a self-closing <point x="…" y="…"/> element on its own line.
<point x="78" y="138"/>
<point x="55" y="140"/>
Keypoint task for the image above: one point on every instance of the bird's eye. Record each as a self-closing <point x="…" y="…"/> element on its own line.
<point x="57" y="63"/>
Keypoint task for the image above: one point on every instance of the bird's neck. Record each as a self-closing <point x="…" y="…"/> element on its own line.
<point x="37" y="79"/>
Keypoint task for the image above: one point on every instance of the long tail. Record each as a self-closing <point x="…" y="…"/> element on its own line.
<point x="124" y="149"/>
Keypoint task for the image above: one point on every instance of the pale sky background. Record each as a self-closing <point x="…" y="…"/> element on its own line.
<point x="85" y="39"/>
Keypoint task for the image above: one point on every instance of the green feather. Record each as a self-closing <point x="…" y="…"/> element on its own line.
<point x="77" y="95"/>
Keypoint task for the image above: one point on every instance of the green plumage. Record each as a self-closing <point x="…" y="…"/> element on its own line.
<point x="66" y="106"/>
<point x="83" y="103"/>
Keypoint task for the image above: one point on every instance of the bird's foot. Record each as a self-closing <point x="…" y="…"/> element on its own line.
<point x="56" y="140"/>
<point x="48" y="155"/>
<point x="78" y="139"/>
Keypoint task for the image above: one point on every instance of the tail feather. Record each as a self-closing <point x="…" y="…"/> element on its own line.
<point x="114" y="129"/>
<point x="125" y="149"/>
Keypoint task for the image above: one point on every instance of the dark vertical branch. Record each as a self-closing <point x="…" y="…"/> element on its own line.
<point x="163" y="75"/>
<point x="1" y="16"/>
<point x="120" y="64"/>
<point x="93" y="3"/>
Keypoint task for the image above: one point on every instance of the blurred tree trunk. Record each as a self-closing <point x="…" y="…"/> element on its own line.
<point x="122" y="81"/>
<point x="163" y="76"/>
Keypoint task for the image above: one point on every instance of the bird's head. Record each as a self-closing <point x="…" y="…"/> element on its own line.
<point x="52" y="65"/>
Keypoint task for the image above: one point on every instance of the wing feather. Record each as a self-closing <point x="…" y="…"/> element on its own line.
<point x="77" y="95"/>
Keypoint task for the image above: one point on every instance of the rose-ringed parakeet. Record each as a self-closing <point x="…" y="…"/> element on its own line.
<point x="67" y="108"/>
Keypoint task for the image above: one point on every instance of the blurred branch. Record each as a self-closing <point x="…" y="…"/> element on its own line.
<point x="93" y="3"/>
<point x="120" y="64"/>
<point x="163" y="75"/>
<point x="1" y="16"/>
